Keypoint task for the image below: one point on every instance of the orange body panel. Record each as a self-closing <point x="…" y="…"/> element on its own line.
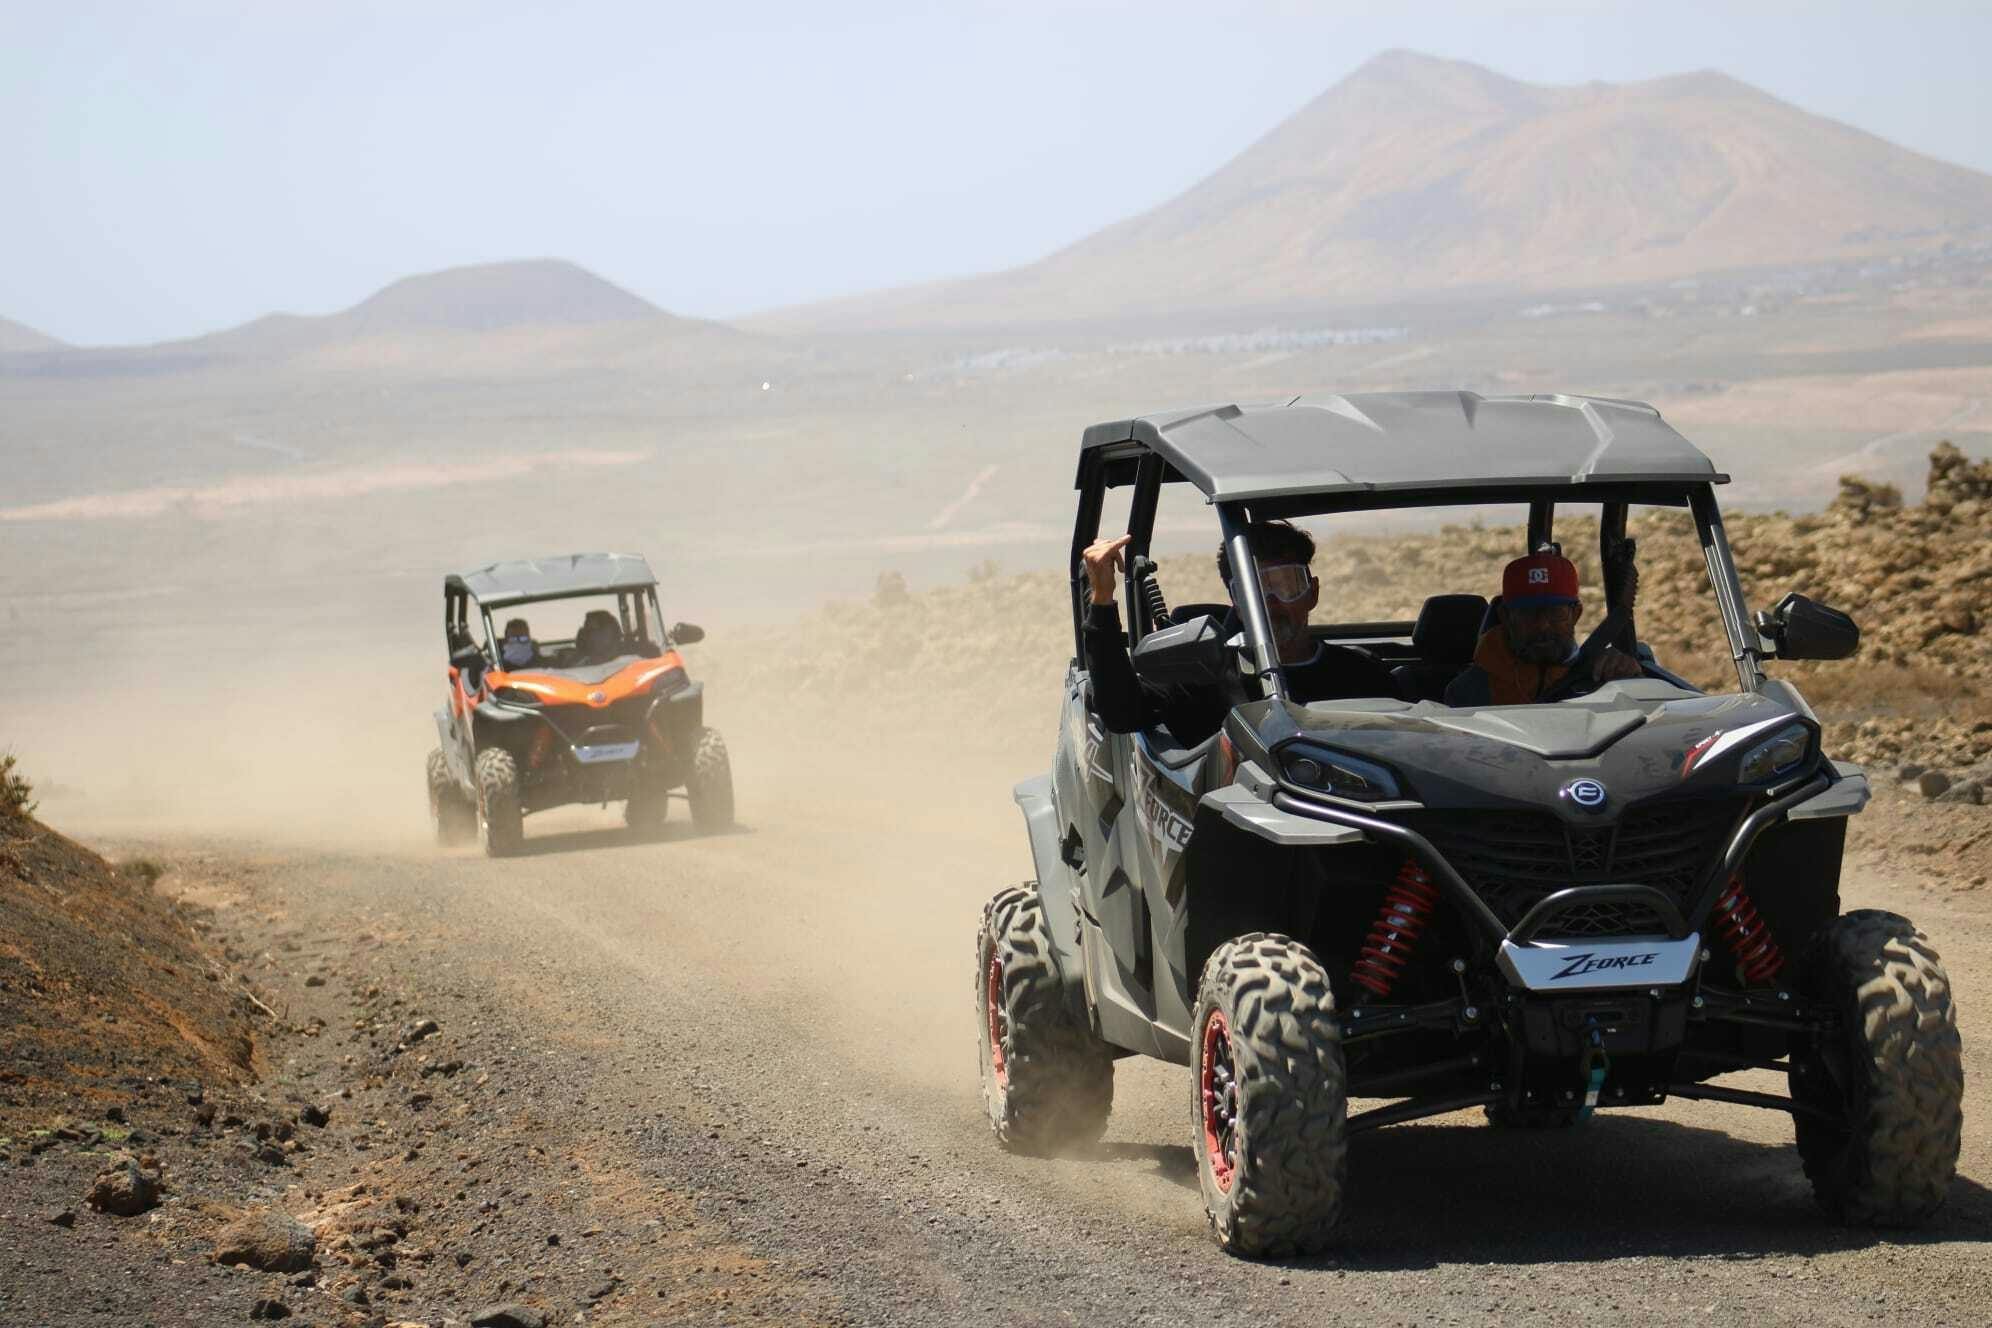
<point x="634" y="680"/>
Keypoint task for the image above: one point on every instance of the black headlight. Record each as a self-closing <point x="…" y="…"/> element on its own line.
<point x="1780" y="754"/>
<point x="1328" y="771"/>
<point x="515" y="696"/>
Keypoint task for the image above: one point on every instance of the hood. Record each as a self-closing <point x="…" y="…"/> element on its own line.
<point x="1640" y="739"/>
<point x="599" y="685"/>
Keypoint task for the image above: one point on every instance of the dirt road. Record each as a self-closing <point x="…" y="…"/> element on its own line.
<point x="779" y="1020"/>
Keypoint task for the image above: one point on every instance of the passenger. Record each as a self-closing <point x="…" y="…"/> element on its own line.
<point x="518" y="650"/>
<point x="1527" y="654"/>
<point x="1312" y="670"/>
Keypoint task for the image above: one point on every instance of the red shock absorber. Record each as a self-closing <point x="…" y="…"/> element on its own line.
<point x="1393" y="937"/>
<point x="1758" y="957"/>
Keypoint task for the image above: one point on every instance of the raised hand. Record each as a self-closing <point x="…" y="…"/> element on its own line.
<point x="1103" y="559"/>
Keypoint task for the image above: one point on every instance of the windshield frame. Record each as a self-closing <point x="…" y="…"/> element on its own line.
<point x="1746" y="645"/>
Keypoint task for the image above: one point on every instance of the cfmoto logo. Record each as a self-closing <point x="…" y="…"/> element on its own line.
<point x="1586" y="793"/>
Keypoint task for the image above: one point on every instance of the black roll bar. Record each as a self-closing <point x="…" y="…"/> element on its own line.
<point x="1250" y="599"/>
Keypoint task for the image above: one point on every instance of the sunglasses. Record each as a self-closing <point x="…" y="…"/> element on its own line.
<point x="1286" y="582"/>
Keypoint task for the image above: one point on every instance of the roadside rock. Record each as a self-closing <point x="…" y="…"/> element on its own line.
<point x="65" y="1218"/>
<point x="508" y="1316"/>
<point x="125" y="1189"/>
<point x="1967" y="791"/>
<point x="268" y="1240"/>
<point x="1932" y="783"/>
<point x="315" y="1115"/>
<point x="419" y="1031"/>
<point x="269" y="1309"/>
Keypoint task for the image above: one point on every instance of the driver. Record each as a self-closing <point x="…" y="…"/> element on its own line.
<point x="518" y="649"/>
<point x="1528" y="653"/>
<point x="1313" y="670"/>
<point x="600" y="638"/>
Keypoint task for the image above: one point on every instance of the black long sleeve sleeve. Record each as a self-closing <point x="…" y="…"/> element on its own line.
<point x="1124" y="705"/>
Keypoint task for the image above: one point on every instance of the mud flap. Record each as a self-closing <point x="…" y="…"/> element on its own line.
<point x="1057" y="890"/>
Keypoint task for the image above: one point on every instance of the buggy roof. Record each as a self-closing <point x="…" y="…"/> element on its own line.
<point x="1379" y="441"/>
<point x="552" y="578"/>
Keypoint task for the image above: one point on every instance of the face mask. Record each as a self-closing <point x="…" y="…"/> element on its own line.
<point x="516" y="650"/>
<point x="1285" y="582"/>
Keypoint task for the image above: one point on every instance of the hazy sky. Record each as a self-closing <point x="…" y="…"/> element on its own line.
<point x="173" y="168"/>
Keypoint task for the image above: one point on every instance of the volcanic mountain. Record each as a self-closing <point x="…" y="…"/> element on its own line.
<point x="1416" y="174"/>
<point x="492" y="297"/>
<point x="20" y="337"/>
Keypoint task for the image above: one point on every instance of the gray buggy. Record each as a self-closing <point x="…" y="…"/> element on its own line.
<point x="1540" y="910"/>
<point x="598" y="710"/>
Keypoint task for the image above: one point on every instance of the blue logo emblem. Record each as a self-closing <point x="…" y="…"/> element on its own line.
<point x="1586" y="793"/>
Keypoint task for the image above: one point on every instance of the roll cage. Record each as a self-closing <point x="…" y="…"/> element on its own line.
<point x="1132" y="463"/>
<point x="637" y="610"/>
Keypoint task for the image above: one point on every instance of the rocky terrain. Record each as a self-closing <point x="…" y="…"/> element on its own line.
<point x="212" y="1114"/>
<point x="247" y="1082"/>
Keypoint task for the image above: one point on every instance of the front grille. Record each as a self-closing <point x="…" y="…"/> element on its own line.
<point x="1513" y="859"/>
<point x="574" y="721"/>
<point x="1607" y="919"/>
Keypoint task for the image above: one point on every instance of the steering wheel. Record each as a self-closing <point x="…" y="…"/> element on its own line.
<point x="1584" y="668"/>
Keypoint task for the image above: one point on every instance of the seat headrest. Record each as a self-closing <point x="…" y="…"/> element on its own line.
<point x="1182" y="613"/>
<point x="1448" y="628"/>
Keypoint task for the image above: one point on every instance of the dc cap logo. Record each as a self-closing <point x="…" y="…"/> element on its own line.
<point x="1538" y="576"/>
<point x="1586" y="793"/>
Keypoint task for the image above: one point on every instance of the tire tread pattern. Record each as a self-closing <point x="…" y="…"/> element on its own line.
<point x="709" y="790"/>
<point x="1902" y="1084"/>
<point x="1287" y="1191"/>
<point x="498" y="797"/>
<point x="450" y="812"/>
<point x="1061" y="1077"/>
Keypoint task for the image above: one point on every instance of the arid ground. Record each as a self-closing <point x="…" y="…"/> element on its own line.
<point x="731" y="1078"/>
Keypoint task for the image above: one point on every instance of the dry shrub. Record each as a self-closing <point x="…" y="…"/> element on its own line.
<point x="17" y="795"/>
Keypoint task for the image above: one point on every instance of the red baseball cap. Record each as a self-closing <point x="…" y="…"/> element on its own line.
<point x="1540" y="578"/>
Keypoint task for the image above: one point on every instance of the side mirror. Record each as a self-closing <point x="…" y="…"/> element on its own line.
<point x="686" y="634"/>
<point x="1191" y="653"/>
<point x="1801" y="628"/>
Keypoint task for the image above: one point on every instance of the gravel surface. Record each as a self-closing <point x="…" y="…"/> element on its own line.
<point x="731" y="1079"/>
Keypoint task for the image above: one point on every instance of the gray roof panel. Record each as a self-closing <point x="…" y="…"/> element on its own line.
<point x="1376" y="441"/>
<point x="527" y="579"/>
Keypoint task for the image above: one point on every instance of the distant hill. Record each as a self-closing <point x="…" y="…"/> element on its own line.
<point x="490" y="297"/>
<point x="20" y="337"/>
<point x="1416" y="174"/>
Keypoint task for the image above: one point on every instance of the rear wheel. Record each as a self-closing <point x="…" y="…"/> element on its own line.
<point x="500" y="819"/>
<point x="452" y="815"/>
<point x="1269" y="1114"/>
<point x="1047" y="1082"/>
<point x="647" y="810"/>
<point x="710" y="787"/>
<point x="1891" y="1078"/>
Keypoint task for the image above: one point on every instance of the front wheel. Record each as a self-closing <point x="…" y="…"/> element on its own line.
<point x="1269" y="1115"/>
<point x="710" y="788"/>
<point x="1047" y="1082"/>
<point x="500" y="817"/>
<point x="1890" y="1081"/>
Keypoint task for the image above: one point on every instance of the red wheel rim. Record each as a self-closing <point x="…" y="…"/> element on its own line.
<point x="998" y="1022"/>
<point x="1217" y="1095"/>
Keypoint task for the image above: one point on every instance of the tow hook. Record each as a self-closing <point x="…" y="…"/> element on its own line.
<point x="1593" y="1068"/>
